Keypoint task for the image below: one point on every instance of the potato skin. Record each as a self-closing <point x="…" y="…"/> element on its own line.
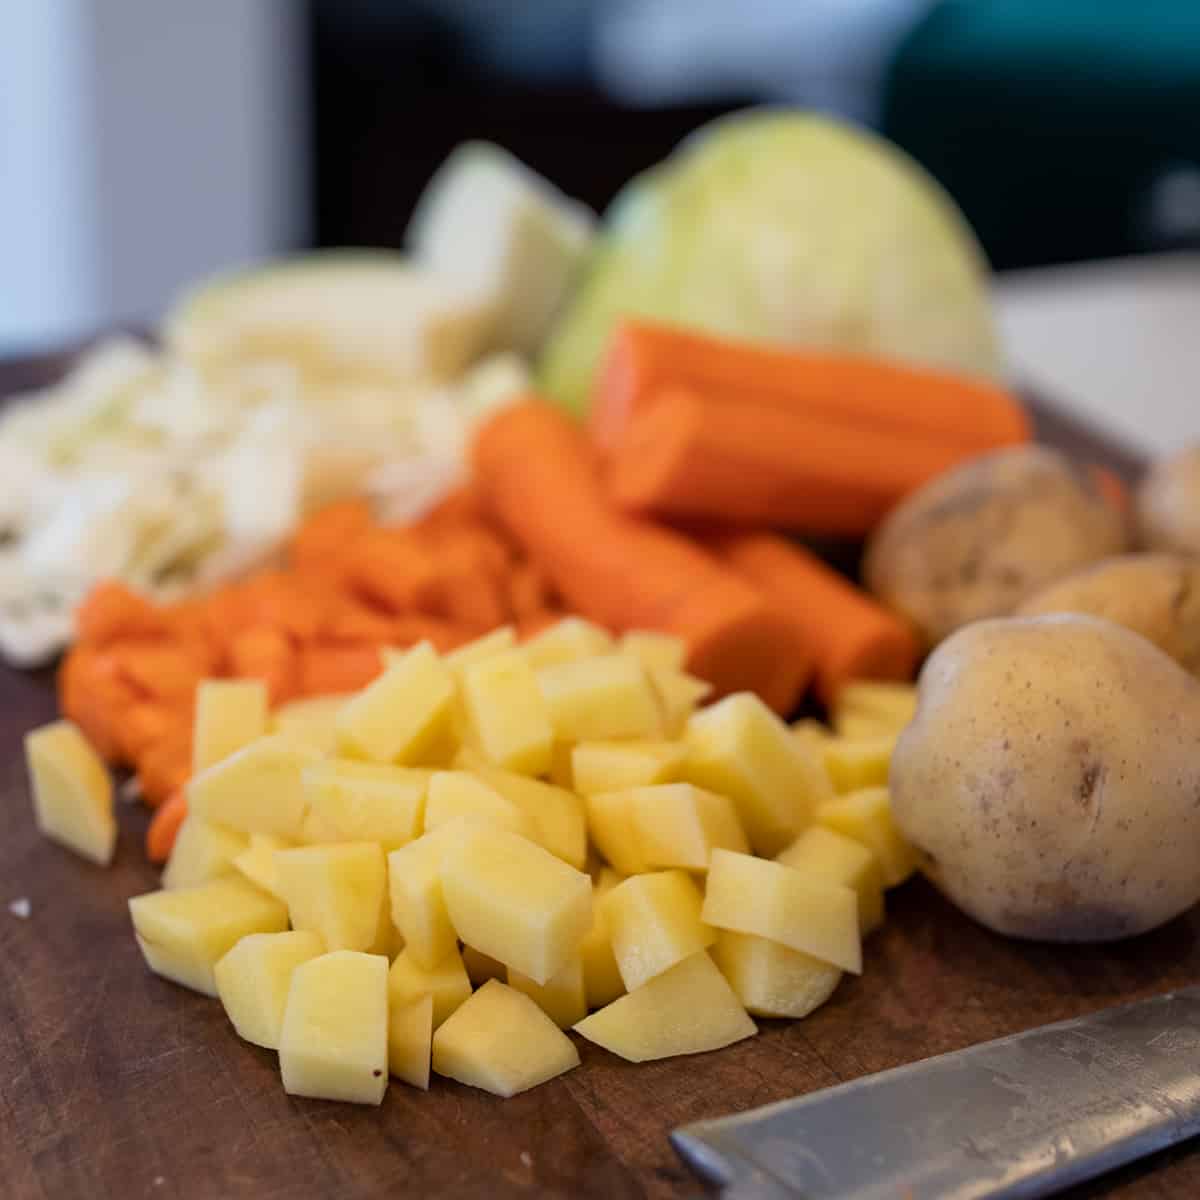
<point x="978" y="540"/>
<point x="1156" y="595"/>
<point x="1168" y="504"/>
<point x="1050" y="781"/>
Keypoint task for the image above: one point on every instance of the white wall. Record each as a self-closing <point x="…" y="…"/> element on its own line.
<point x="142" y="143"/>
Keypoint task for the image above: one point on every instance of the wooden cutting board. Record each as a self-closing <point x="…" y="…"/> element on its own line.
<point x="116" y="1083"/>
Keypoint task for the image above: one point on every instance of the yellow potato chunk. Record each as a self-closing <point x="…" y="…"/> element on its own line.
<point x="403" y="714"/>
<point x="72" y="791"/>
<point x="570" y="640"/>
<point x="455" y="794"/>
<point x="516" y="902"/>
<point x="506" y="713"/>
<point x="679" y="695"/>
<point x="183" y="933"/>
<point x="312" y="720"/>
<point x="655" y="650"/>
<point x="481" y="649"/>
<point x="335" y="890"/>
<point x="556" y="816"/>
<point x="591" y="699"/>
<point x="418" y="904"/>
<point x="772" y="980"/>
<point x="813" y="733"/>
<point x="866" y="816"/>
<point x="822" y="854"/>
<point x="741" y="749"/>
<point x="752" y="895"/>
<point x="654" y="922"/>
<point x="202" y="851"/>
<point x="334" y="1042"/>
<point x="446" y="982"/>
<point x="257" y="862"/>
<point x="615" y="766"/>
<point x="482" y="967"/>
<point x="561" y="772"/>
<point x="855" y="764"/>
<point x="680" y="825"/>
<point x="686" y="1010"/>
<point x="410" y="1041"/>
<point x="230" y="714"/>
<point x="257" y="789"/>
<point x="611" y="827"/>
<point x="500" y="1041"/>
<point x="868" y="709"/>
<point x="602" y="982"/>
<point x="365" y="802"/>
<point x="562" y="997"/>
<point x="254" y="977"/>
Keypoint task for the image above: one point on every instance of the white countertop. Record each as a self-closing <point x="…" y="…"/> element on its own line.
<point x="1116" y="343"/>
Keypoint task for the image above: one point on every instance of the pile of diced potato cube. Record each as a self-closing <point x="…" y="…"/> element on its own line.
<point x="484" y="849"/>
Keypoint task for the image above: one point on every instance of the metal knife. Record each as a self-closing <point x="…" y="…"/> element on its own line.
<point x="1021" y="1117"/>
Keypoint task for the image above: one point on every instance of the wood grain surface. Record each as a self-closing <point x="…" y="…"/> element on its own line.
<point x="114" y="1083"/>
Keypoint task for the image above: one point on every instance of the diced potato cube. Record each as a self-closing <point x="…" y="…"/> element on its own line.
<point x="679" y="825"/>
<point x="334" y="1043"/>
<point x="611" y="827"/>
<point x="506" y="713"/>
<point x="482" y="967"/>
<point x="852" y="765"/>
<point x="418" y="904"/>
<point x="772" y="980"/>
<point x="752" y="895"/>
<point x="686" y="1010"/>
<point x="654" y="922"/>
<point x="615" y="766"/>
<point x="253" y="980"/>
<point x="230" y="714"/>
<point x="813" y="733"/>
<point x="869" y="709"/>
<point x="562" y="997"/>
<point x="72" y="791"/>
<point x="741" y="749"/>
<point x="402" y="714"/>
<point x="823" y="854"/>
<point x="455" y="794"/>
<point x="866" y="816"/>
<point x="679" y="695"/>
<point x="257" y="862"/>
<point x="602" y="982"/>
<point x="184" y="932"/>
<point x="312" y="720"/>
<point x="516" y="902"/>
<point x="570" y="640"/>
<point x="556" y="816"/>
<point x="335" y="890"/>
<point x="661" y="650"/>
<point x="500" y="1041"/>
<point x="257" y="789"/>
<point x="596" y="698"/>
<point x="446" y="982"/>
<point x="561" y="772"/>
<point x="366" y="802"/>
<point x="202" y="851"/>
<point x="410" y="1041"/>
<point x="481" y="649"/>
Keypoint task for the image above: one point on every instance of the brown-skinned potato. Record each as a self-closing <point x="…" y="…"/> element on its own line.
<point x="1050" y="781"/>
<point x="978" y="540"/>
<point x="1168" y="504"/>
<point x="1156" y="595"/>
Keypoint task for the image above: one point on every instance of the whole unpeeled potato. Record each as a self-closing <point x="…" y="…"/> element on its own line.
<point x="1168" y="504"/>
<point x="978" y="540"/>
<point x="1050" y="781"/>
<point x="1156" y="595"/>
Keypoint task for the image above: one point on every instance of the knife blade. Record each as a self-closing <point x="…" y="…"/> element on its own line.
<point x="1013" y="1119"/>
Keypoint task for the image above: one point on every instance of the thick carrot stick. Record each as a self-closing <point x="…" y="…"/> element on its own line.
<point x="687" y="457"/>
<point x="538" y="476"/>
<point x="164" y="826"/>
<point x="854" y="638"/>
<point x="868" y="393"/>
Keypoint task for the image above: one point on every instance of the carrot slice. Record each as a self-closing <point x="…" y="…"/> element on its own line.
<point x="111" y="611"/>
<point x="165" y="766"/>
<point x="326" y="537"/>
<point x="266" y="654"/>
<point x="164" y="826"/>
<point x="327" y="668"/>
<point x="394" y="571"/>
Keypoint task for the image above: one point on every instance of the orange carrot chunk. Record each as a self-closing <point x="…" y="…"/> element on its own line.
<point x="164" y="826"/>
<point x="112" y="611"/>
<point x="853" y="637"/>
<point x="326" y="668"/>
<point x="266" y="654"/>
<point x="326" y="537"/>
<point x="165" y="766"/>
<point x="394" y="571"/>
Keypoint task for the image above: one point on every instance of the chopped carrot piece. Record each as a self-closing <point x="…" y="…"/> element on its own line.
<point x="162" y="672"/>
<point x="327" y="536"/>
<point x="444" y="635"/>
<point x="165" y="766"/>
<point x="328" y="668"/>
<point x="164" y="826"/>
<point x="528" y="592"/>
<point x="93" y="694"/>
<point x="266" y="654"/>
<point x="148" y="722"/>
<point x="393" y="571"/>
<point x="113" y="611"/>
